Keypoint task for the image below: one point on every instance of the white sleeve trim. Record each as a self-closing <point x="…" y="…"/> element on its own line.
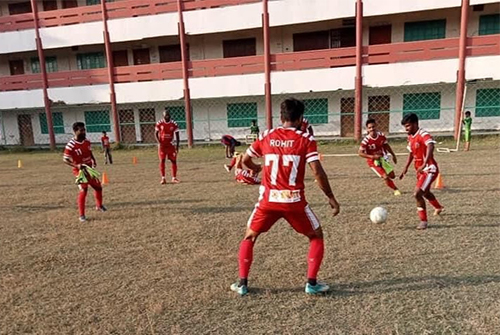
<point x="312" y="159"/>
<point x="252" y="153"/>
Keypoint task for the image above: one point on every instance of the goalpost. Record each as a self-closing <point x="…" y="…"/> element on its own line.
<point x="459" y="135"/>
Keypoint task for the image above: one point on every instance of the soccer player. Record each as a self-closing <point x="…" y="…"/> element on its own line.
<point x="421" y="147"/>
<point x="467" y="121"/>
<point x="374" y="148"/>
<point x="305" y="126"/>
<point x="77" y="154"/>
<point x="285" y="151"/>
<point x="254" y="128"/>
<point x="230" y="143"/>
<point x="242" y="175"/>
<point x="106" y="148"/>
<point x="165" y="130"/>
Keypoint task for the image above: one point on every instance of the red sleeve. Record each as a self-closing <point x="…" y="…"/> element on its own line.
<point x="363" y="144"/>
<point x="255" y="150"/>
<point x="68" y="153"/>
<point x="427" y="138"/>
<point x="157" y="127"/>
<point x="312" y="150"/>
<point x="384" y="139"/>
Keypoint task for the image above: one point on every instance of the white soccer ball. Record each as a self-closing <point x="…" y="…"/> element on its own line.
<point x="378" y="215"/>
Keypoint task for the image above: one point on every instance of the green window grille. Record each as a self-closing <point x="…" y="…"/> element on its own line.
<point x="92" y="60"/>
<point x="57" y="120"/>
<point x="316" y="110"/>
<point x="178" y="114"/>
<point x="50" y="64"/>
<point x="426" y="105"/>
<point x="488" y="102"/>
<point x="489" y="24"/>
<point x="241" y="115"/>
<point x="93" y="2"/>
<point x="97" y="121"/>
<point x="425" y="30"/>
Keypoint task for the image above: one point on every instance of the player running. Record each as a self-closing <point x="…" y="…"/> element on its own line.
<point x="421" y="147"/>
<point x="285" y="151"/>
<point x="164" y="134"/>
<point x="241" y="175"/>
<point x="374" y="148"/>
<point x="78" y="155"/>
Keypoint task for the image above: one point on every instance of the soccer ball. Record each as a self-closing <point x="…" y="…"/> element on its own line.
<point x="378" y="215"/>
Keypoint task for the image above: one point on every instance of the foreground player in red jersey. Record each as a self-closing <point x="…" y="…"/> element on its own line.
<point x="285" y="151"/>
<point x="421" y="147"/>
<point x="374" y="148"/>
<point x="77" y="154"/>
<point x="164" y="133"/>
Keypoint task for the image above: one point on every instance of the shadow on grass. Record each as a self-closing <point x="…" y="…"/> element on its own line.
<point x="468" y="190"/>
<point x="406" y="284"/>
<point x="35" y="208"/>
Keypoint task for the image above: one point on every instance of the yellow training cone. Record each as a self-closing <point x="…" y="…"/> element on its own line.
<point x="19" y="164"/>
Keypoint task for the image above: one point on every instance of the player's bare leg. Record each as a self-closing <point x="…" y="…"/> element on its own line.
<point x="421" y="208"/>
<point x="82" y="196"/>
<point x="389" y="182"/>
<point x="245" y="258"/>
<point x="438" y="208"/>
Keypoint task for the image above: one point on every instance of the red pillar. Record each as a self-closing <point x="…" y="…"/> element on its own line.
<point x="43" y="71"/>
<point x="462" y="53"/>
<point x="358" y="94"/>
<point x="267" y="65"/>
<point x="185" y="75"/>
<point x="111" y="68"/>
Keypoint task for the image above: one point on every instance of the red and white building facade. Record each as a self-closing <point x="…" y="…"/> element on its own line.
<point x="239" y="51"/>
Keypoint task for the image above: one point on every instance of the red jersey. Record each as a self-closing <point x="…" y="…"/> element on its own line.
<point x="105" y="141"/>
<point x="286" y="152"/>
<point x="373" y="146"/>
<point x="417" y="145"/>
<point x="304" y="127"/>
<point x="78" y="153"/>
<point x="166" y="131"/>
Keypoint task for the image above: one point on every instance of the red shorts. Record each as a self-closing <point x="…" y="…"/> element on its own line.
<point x="245" y="177"/>
<point x="379" y="170"/>
<point x="167" y="152"/>
<point x="425" y="180"/>
<point x="303" y="221"/>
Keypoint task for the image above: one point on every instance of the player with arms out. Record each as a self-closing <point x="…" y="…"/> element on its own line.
<point x="286" y="152"/>
<point x="165" y="130"/>
<point x="421" y="147"/>
<point x="374" y="148"/>
<point x="78" y="155"/>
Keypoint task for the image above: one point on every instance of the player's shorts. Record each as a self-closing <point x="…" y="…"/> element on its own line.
<point x="245" y="177"/>
<point x="467" y="136"/>
<point x="302" y="221"/>
<point x="425" y="180"/>
<point x="167" y="152"/>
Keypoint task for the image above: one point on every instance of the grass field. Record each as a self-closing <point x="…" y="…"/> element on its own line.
<point x="161" y="260"/>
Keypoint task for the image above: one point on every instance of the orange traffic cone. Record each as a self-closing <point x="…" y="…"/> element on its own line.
<point x="134" y="160"/>
<point x="439" y="182"/>
<point x="105" y="180"/>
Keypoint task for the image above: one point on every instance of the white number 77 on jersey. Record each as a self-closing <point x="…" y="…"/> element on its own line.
<point x="287" y="159"/>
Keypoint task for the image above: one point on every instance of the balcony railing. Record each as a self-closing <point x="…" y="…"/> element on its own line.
<point x="118" y="9"/>
<point x="319" y="59"/>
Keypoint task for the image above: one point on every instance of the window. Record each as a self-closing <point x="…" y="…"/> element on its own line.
<point x="239" y="48"/>
<point x="426" y="105"/>
<point x="97" y="121"/>
<point x="178" y="114"/>
<point x="171" y="53"/>
<point x="20" y="8"/>
<point x="57" y="120"/>
<point x="93" y="2"/>
<point x="488" y="102"/>
<point x="425" y="30"/>
<point x="316" y="110"/>
<point x="50" y="64"/>
<point x="316" y="40"/>
<point x="489" y="24"/>
<point x="91" y="60"/>
<point x="241" y="115"/>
